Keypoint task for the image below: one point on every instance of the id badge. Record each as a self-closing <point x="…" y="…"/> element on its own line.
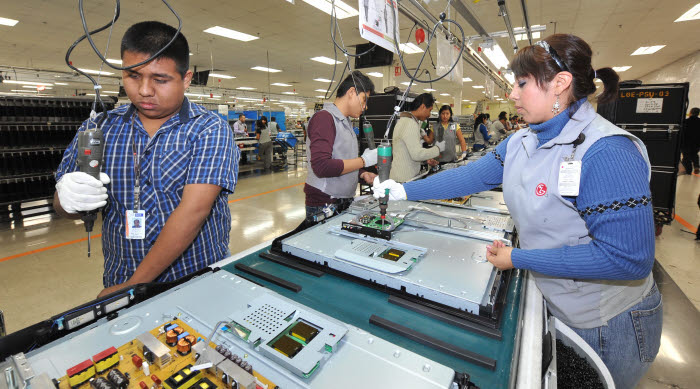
<point x="136" y="224"/>
<point x="569" y="178"/>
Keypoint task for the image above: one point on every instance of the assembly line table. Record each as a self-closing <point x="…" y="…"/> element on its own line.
<point x="518" y="354"/>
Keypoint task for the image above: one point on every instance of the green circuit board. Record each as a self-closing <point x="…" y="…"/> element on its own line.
<point x="374" y="221"/>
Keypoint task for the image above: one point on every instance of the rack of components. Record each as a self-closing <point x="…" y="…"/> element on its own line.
<point x="262" y="341"/>
<point x="34" y="133"/>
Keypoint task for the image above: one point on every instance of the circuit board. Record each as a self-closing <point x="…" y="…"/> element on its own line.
<point x="165" y="377"/>
<point x="457" y="200"/>
<point x="374" y="221"/>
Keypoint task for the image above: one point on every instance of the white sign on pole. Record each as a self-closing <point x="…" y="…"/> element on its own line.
<point x="223" y="109"/>
<point x="378" y="23"/>
<point x="650" y="105"/>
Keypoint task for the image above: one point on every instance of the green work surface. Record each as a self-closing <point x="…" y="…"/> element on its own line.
<point x="353" y="303"/>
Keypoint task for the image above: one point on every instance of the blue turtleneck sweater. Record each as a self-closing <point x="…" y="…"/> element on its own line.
<point x="612" y="170"/>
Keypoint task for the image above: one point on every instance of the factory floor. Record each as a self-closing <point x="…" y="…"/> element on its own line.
<point x="44" y="269"/>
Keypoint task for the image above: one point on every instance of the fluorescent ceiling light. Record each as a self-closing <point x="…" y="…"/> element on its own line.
<point x="26" y="82"/>
<point x="289" y="93"/>
<point x="321" y="97"/>
<point x="36" y="86"/>
<point x="90" y="71"/>
<point x="264" y="69"/>
<point x="342" y="10"/>
<point x="61" y="83"/>
<point x="326" y="60"/>
<point x="23" y="91"/>
<point x="291" y="102"/>
<point x="375" y="74"/>
<point x="496" y="56"/>
<point x="220" y="75"/>
<point x="444" y="94"/>
<point x="110" y="92"/>
<point x="200" y="95"/>
<point x="510" y="77"/>
<point x="191" y="54"/>
<point x="429" y="89"/>
<point x="281" y="84"/>
<point x="320" y="90"/>
<point x="228" y="33"/>
<point x="406" y="83"/>
<point x="245" y="88"/>
<point x="12" y="22"/>
<point x="466" y="101"/>
<point x="246" y="99"/>
<point x="466" y="79"/>
<point x="114" y="61"/>
<point x="478" y="86"/>
<point x="645" y="50"/>
<point x="322" y="79"/>
<point x="621" y="69"/>
<point x="410" y="48"/>
<point x="523" y="37"/>
<point x="692" y="14"/>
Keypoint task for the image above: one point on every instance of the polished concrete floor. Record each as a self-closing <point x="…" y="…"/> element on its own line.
<point x="44" y="269"/>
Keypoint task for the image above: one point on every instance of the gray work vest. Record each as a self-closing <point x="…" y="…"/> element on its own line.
<point x="264" y="135"/>
<point x="478" y="136"/>
<point x="344" y="147"/>
<point x="546" y="220"/>
<point x="449" y="135"/>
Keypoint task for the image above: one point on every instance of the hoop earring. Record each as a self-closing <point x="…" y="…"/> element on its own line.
<point x="556" y="107"/>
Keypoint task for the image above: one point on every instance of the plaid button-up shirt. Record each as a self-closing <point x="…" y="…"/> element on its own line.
<point x="194" y="146"/>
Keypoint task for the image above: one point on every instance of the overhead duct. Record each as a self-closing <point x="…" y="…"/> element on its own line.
<point x="469" y="16"/>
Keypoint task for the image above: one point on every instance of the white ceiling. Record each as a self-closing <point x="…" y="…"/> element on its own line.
<point x="292" y="33"/>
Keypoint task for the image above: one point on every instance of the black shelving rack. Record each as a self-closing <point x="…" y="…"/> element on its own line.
<point x="34" y="133"/>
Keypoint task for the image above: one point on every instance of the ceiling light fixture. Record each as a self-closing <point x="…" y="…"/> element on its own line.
<point x="37" y="86"/>
<point x="478" y="86"/>
<point x="375" y="74"/>
<point x="466" y="79"/>
<point x="320" y="90"/>
<point x="321" y="97"/>
<point x="646" y="50"/>
<point x="90" y="71"/>
<point x="8" y="22"/>
<point x="220" y="75"/>
<point x="114" y="61"/>
<point x="26" y="82"/>
<point x="291" y="102"/>
<point x="621" y="69"/>
<point x="429" y="89"/>
<point x="342" y="10"/>
<point x="444" y="94"/>
<point x="232" y="34"/>
<point x="406" y="83"/>
<point x="522" y="37"/>
<point x="410" y="48"/>
<point x="322" y="79"/>
<point x="326" y="60"/>
<point x="692" y="14"/>
<point x="264" y="69"/>
<point x="281" y="84"/>
<point x="61" y="83"/>
<point x="245" y="88"/>
<point x="495" y="55"/>
<point x="289" y="93"/>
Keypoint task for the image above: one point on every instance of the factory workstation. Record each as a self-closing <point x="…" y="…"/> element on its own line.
<point x="327" y="194"/>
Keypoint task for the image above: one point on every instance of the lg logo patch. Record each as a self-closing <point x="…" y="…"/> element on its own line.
<point x="541" y="189"/>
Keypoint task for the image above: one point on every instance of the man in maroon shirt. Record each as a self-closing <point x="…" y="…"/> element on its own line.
<point x="332" y="149"/>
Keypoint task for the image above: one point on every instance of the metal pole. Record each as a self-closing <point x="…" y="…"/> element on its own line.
<point x="527" y="21"/>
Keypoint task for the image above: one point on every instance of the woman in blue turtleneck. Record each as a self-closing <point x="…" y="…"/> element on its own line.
<point x="590" y="248"/>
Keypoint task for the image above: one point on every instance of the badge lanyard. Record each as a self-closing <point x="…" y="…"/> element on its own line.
<point x="137" y="167"/>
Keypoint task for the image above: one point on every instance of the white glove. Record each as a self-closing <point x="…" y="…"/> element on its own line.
<point x="461" y="157"/>
<point x="370" y="157"/>
<point x="79" y="192"/>
<point x="396" y="190"/>
<point x="440" y="146"/>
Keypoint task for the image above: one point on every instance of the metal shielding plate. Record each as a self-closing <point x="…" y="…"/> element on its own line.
<point x="204" y="301"/>
<point x="453" y="272"/>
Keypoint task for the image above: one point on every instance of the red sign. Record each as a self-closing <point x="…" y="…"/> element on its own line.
<point x="541" y="189"/>
<point x="397" y="70"/>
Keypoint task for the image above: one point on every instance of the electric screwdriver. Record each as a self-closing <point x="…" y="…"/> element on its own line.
<point x="90" y="159"/>
<point x="369" y="135"/>
<point x="384" y="168"/>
